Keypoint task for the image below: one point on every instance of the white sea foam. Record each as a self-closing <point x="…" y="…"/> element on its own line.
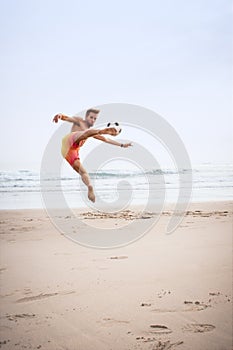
<point x="22" y="188"/>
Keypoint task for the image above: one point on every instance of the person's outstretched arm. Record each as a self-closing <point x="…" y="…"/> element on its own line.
<point x="112" y="142"/>
<point x="75" y="120"/>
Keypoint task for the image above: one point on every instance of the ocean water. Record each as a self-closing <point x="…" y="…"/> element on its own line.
<point x="21" y="189"/>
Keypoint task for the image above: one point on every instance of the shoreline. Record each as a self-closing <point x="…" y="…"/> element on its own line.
<point x="137" y="206"/>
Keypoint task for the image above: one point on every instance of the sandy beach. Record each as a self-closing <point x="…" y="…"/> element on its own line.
<point x="161" y="292"/>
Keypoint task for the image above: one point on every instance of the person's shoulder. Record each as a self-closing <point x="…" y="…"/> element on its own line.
<point x="77" y="118"/>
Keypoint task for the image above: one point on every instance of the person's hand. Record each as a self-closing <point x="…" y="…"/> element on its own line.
<point x="57" y="116"/>
<point x="125" y="145"/>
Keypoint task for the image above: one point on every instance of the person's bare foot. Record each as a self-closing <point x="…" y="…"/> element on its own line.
<point x="91" y="194"/>
<point x="109" y="131"/>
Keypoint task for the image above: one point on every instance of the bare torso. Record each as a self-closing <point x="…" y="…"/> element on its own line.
<point x="81" y="125"/>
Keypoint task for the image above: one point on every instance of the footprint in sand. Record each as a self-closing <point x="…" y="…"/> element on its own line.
<point x="17" y="316"/>
<point x="42" y="296"/>
<point x="36" y="297"/>
<point x="111" y="321"/>
<point x="2" y="269"/>
<point x="166" y="345"/>
<point x="189" y="306"/>
<point x="195" y="306"/>
<point x="160" y="329"/>
<point x="159" y="344"/>
<point x="218" y="297"/>
<point x="198" y="328"/>
<point x="23" y="228"/>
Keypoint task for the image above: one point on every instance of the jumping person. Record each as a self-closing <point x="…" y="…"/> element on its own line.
<point x="80" y="132"/>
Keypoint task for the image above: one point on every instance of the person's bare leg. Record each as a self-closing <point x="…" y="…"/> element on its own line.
<point x="108" y="131"/>
<point x="77" y="166"/>
<point x="90" y="133"/>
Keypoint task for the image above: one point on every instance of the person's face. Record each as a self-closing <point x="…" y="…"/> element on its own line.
<point x="91" y="119"/>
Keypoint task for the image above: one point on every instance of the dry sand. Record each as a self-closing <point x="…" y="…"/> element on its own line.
<point x="161" y="292"/>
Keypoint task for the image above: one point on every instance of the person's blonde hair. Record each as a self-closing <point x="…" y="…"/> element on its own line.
<point x="92" y="110"/>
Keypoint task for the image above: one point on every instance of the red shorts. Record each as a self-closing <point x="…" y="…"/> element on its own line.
<point x="72" y="156"/>
<point x="70" y="148"/>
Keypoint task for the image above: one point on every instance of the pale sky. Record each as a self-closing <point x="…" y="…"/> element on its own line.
<point x="173" y="57"/>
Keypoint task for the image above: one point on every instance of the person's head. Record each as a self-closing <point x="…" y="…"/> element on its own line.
<point x="91" y="116"/>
